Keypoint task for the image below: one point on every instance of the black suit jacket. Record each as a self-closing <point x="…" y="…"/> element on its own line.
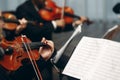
<point x="116" y="8"/>
<point x="28" y="11"/>
<point x="34" y="32"/>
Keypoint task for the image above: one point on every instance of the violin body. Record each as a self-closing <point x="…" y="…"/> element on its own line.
<point x="11" y="22"/>
<point x="9" y="26"/>
<point x="13" y="62"/>
<point x="53" y="12"/>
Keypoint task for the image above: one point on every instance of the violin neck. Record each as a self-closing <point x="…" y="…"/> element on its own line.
<point x="34" y="45"/>
<point x="78" y="17"/>
<point x="71" y="15"/>
<point x="14" y="21"/>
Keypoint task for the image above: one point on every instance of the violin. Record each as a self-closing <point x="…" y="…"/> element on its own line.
<point x="6" y="17"/>
<point x="53" y="12"/>
<point x="18" y="52"/>
<point x="11" y="22"/>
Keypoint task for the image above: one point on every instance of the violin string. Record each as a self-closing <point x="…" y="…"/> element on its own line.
<point x="30" y="58"/>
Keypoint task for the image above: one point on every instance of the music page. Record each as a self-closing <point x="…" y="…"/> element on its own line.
<point x="95" y="59"/>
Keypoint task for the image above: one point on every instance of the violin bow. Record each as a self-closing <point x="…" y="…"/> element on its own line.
<point x="63" y="9"/>
<point x="33" y="62"/>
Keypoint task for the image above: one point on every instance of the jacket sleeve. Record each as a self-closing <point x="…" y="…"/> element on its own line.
<point x="116" y="8"/>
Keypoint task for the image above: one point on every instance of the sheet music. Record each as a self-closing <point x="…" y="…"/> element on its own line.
<point x="108" y="65"/>
<point x="95" y="59"/>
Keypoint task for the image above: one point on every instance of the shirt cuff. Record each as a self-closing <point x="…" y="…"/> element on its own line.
<point x="54" y="24"/>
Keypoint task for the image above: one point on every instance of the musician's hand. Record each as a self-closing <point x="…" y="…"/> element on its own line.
<point x="23" y="25"/>
<point x="60" y="23"/>
<point x="2" y="24"/>
<point x="0" y="13"/>
<point x="46" y="51"/>
<point x="83" y="18"/>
